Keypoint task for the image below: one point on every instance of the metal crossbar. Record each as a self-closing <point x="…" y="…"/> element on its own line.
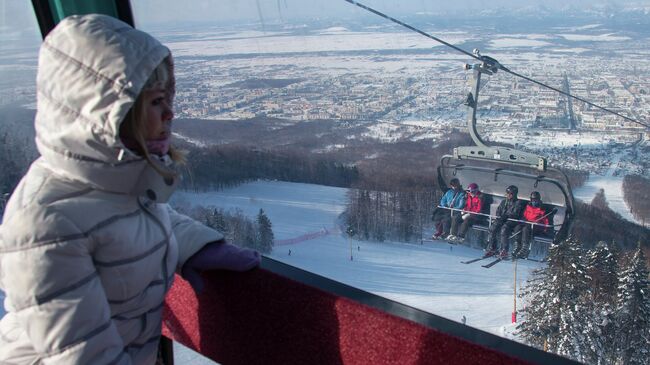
<point x="494" y="217"/>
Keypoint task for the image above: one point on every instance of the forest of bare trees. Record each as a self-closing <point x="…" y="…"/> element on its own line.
<point x="597" y="222"/>
<point x="395" y="215"/>
<point x="226" y="166"/>
<point x="636" y="192"/>
<point x="396" y="193"/>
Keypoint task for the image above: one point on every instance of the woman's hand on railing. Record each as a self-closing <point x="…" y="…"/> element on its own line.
<point x="218" y="256"/>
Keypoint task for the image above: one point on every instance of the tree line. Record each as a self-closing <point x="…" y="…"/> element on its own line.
<point x="598" y="222"/>
<point x="393" y="215"/>
<point x="225" y="166"/>
<point x="589" y="305"/>
<point x="636" y="192"/>
<point x="402" y="214"/>
<point x="237" y="228"/>
<point x="394" y="197"/>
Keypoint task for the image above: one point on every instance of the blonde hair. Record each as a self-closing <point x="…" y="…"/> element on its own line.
<point x="134" y="121"/>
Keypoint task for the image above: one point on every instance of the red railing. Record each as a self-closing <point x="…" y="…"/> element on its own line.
<point x="282" y="315"/>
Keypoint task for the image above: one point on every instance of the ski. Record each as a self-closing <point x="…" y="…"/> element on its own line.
<point x="474" y="260"/>
<point x="439" y="240"/>
<point x="529" y="259"/>
<point x="489" y="265"/>
<point x="432" y="240"/>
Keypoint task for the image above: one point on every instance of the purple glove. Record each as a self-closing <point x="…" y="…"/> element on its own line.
<point x="218" y="256"/>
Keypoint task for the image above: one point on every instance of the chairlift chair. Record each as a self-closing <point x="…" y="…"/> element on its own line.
<point x="494" y="168"/>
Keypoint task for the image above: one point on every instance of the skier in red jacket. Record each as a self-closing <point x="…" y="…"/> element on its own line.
<point x="534" y="213"/>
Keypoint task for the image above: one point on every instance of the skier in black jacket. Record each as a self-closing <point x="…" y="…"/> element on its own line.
<point x="509" y="208"/>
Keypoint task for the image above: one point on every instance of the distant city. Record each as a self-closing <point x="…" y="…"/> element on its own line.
<point x="433" y="90"/>
<point x="409" y="90"/>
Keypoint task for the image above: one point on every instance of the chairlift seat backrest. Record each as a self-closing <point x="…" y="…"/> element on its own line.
<point x="556" y="219"/>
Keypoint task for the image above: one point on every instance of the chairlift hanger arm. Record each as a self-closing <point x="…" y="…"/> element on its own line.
<point x="483" y="151"/>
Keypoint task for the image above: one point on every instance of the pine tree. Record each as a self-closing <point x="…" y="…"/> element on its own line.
<point x="602" y="268"/>
<point x="265" y="232"/>
<point x="351" y="215"/>
<point x="539" y="312"/>
<point x="365" y="211"/>
<point x="574" y="297"/>
<point x="633" y="312"/>
<point x="600" y="330"/>
<point x="219" y="221"/>
<point x="556" y="315"/>
<point x="250" y="235"/>
<point x="600" y="201"/>
<point x="237" y="224"/>
<point x="215" y="219"/>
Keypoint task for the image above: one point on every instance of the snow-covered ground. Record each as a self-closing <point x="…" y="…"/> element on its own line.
<point x="613" y="186"/>
<point x="429" y="276"/>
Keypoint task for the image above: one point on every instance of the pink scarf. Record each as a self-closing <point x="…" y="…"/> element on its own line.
<point x="158" y="147"/>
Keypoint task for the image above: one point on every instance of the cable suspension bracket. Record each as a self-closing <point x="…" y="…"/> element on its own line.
<point x="499" y="66"/>
<point x="483" y="151"/>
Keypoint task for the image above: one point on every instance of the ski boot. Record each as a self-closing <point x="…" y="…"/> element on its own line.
<point x="459" y="239"/>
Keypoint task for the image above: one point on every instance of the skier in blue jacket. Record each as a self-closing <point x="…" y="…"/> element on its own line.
<point x="454" y="198"/>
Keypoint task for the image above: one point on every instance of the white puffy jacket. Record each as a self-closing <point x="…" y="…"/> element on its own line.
<point x="88" y="247"/>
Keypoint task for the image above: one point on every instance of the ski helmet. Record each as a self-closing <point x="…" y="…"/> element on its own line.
<point x="473" y="187"/>
<point x="454" y="183"/>
<point x="535" y="196"/>
<point x="512" y="189"/>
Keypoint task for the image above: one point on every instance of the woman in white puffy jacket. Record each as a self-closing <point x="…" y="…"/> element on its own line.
<point x="89" y="247"/>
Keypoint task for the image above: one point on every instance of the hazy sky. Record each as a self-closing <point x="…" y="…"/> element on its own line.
<point x="219" y="10"/>
<point x="19" y="15"/>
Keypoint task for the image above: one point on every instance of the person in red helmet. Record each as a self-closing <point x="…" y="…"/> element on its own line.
<point x="537" y="215"/>
<point x="473" y="204"/>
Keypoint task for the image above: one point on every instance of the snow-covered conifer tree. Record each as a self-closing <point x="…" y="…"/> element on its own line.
<point x="599" y="200"/>
<point x="602" y="268"/>
<point x="217" y="220"/>
<point x="265" y="235"/>
<point x="633" y="312"/>
<point x="537" y="314"/>
<point x="575" y="302"/>
<point x="555" y="313"/>
<point x="600" y="328"/>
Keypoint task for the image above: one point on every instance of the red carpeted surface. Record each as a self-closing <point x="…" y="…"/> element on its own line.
<point x="263" y="318"/>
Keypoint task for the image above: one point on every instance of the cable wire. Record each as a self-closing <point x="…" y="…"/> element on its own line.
<point x="500" y="66"/>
